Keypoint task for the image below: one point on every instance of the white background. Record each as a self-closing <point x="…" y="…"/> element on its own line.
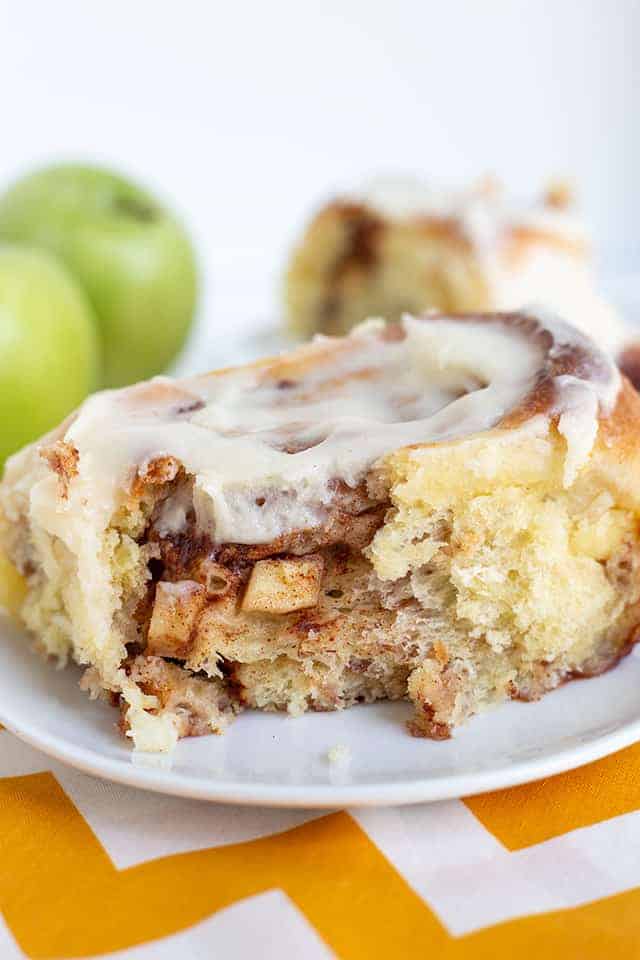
<point x="244" y="115"/>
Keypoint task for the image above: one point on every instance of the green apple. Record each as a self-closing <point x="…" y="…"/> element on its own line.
<point x="48" y="345"/>
<point x="131" y="256"/>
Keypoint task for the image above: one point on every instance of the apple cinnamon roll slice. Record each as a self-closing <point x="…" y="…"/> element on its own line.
<point x="403" y="245"/>
<point x="444" y="509"/>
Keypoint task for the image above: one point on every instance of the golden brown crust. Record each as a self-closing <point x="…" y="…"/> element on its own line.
<point x="618" y="434"/>
<point x="518" y="241"/>
<point x="629" y="362"/>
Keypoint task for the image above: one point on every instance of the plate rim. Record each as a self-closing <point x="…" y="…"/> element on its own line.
<point x="322" y="796"/>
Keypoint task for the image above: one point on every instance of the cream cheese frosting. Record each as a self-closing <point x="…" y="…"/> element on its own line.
<point x="267" y="443"/>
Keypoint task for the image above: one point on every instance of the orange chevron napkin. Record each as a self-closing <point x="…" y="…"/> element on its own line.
<point x="89" y="868"/>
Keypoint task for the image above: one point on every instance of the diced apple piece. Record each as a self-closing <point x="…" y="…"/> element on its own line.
<point x="282" y="586"/>
<point x="175" y="612"/>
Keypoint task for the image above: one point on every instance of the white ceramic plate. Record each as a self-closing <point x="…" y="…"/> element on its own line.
<point x="270" y="759"/>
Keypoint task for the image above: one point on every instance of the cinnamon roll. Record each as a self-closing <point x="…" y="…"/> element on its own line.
<point x="443" y="509"/>
<point x="401" y="246"/>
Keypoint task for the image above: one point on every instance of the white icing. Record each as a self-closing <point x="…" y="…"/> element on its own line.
<point x="578" y="400"/>
<point x="578" y="424"/>
<point x="348" y="403"/>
